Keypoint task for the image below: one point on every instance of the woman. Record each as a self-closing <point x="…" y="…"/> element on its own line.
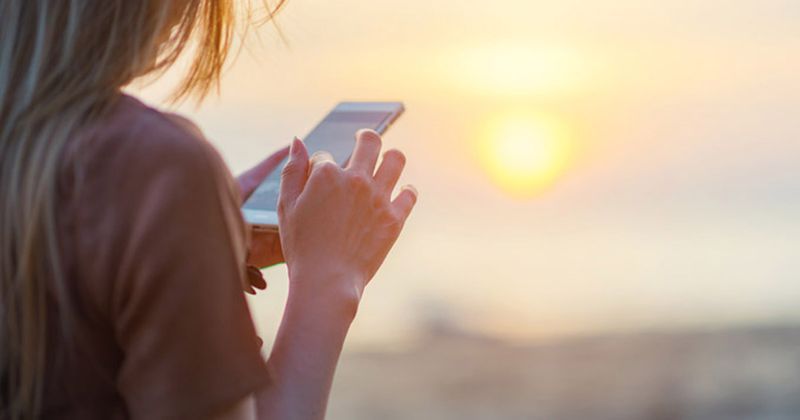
<point x="123" y="251"/>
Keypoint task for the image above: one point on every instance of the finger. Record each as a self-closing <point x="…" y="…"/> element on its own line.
<point x="250" y="180"/>
<point x="405" y="201"/>
<point x="366" y="151"/>
<point x="256" y="279"/>
<point x="248" y="284"/>
<point x="294" y="174"/>
<point x="320" y="160"/>
<point x="389" y="172"/>
<point x="268" y="165"/>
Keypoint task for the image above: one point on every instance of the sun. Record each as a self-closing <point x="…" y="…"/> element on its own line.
<point x="524" y="153"/>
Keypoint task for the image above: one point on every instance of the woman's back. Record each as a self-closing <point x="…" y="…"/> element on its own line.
<point x="122" y="248"/>
<point x="153" y="248"/>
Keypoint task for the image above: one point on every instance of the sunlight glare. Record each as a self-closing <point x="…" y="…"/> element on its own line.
<point x="524" y="153"/>
<point x="518" y="70"/>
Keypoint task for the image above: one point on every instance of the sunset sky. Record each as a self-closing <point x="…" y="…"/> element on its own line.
<point x="583" y="166"/>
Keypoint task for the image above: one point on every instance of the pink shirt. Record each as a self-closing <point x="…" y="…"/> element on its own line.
<point x="153" y="244"/>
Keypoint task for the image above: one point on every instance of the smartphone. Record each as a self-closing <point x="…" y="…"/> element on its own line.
<point x="335" y="135"/>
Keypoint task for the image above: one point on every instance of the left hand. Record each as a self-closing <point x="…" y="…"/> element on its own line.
<point x="265" y="247"/>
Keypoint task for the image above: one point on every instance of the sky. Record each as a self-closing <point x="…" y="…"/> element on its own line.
<point x="668" y="196"/>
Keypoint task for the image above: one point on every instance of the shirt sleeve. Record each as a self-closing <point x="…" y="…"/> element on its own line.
<point x="178" y="309"/>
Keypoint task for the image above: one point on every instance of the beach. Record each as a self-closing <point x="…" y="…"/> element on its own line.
<point x="746" y="373"/>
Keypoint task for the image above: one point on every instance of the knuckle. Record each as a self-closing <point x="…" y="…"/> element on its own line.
<point x="358" y="181"/>
<point x="387" y="215"/>
<point x="289" y="169"/>
<point x="283" y="207"/>
<point x="394" y="226"/>
<point x="378" y="201"/>
<point x="327" y="169"/>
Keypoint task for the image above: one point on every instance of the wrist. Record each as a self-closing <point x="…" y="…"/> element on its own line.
<point x="335" y="292"/>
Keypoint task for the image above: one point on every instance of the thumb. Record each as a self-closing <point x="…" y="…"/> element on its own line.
<point x="294" y="175"/>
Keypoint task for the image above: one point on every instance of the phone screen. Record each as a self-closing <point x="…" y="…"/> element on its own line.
<point x="335" y="135"/>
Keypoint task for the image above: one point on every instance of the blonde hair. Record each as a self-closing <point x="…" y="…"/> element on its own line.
<point x="62" y="64"/>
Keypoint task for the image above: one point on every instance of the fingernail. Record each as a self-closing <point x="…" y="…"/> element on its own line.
<point x="293" y="149"/>
<point x="413" y="189"/>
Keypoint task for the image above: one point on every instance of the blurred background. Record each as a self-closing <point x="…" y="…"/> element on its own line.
<point x="609" y="214"/>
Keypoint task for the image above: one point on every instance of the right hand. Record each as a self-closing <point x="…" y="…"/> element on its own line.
<point x="338" y="224"/>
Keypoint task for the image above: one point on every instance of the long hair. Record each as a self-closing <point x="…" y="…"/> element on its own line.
<point x="62" y="64"/>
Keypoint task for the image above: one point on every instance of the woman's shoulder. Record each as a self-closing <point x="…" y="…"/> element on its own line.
<point x="137" y="133"/>
<point x="136" y="154"/>
<point x="134" y="142"/>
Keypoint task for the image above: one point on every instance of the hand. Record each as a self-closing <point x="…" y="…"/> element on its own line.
<point x="265" y="247"/>
<point x="338" y="224"/>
